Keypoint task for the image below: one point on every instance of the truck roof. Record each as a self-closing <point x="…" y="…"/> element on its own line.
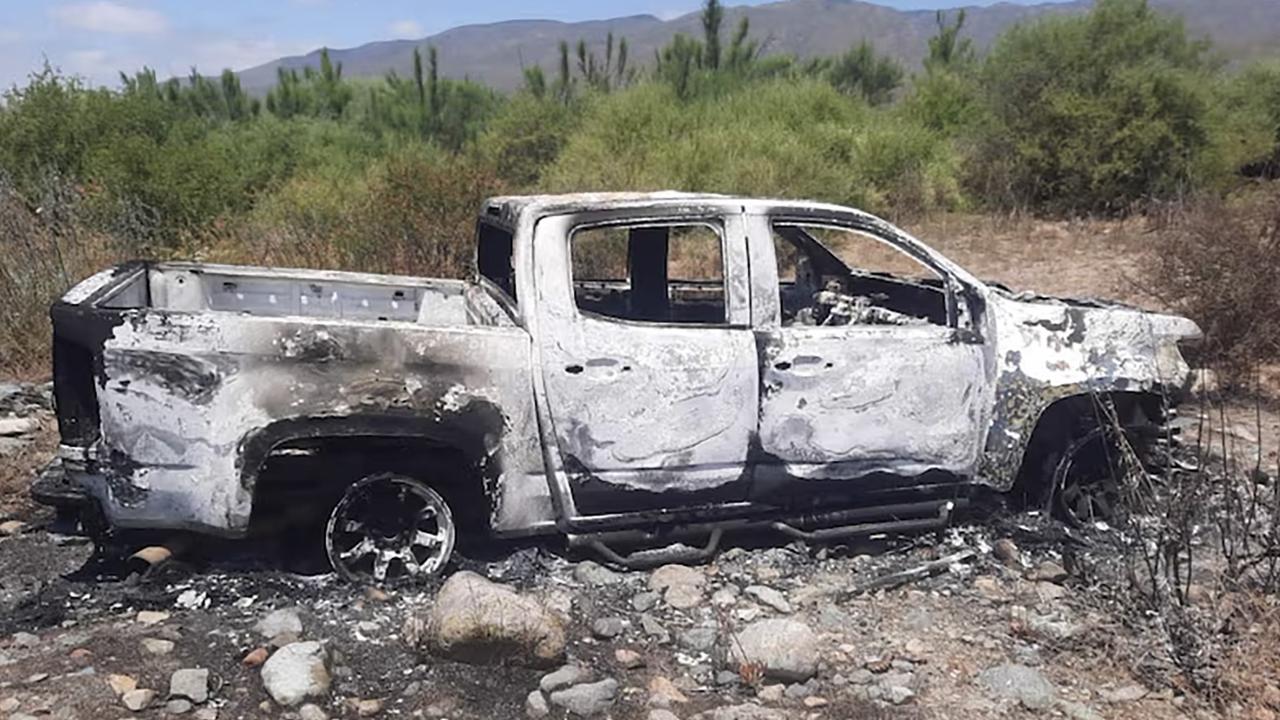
<point x="508" y="209"/>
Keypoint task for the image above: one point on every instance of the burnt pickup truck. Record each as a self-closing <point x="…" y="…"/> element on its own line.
<point x="627" y="370"/>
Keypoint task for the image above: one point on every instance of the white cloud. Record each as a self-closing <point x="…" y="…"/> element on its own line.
<point x="111" y="17"/>
<point x="406" y="30"/>
<point x="214" y="54"/>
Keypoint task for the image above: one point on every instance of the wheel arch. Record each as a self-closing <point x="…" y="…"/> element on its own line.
<point x="1061" y="420"/>
<point x="344" y="450"/>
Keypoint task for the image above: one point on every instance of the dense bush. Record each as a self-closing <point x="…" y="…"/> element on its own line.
<point x="784" y="138"/>
<point x="1096" y="112"/>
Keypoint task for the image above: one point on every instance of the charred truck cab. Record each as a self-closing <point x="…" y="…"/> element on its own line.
<point x="623" y="369"/>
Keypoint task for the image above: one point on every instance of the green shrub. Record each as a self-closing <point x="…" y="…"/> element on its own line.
<point x="1095" y="112"/>
<point x="526" y="137"/>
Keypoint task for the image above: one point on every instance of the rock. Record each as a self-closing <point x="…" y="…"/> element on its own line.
<point x="1006" y="551"/>
<point x="813" y="701"/>
<point x="770" y="597"/>
<point x="1021" y="683"/>
<point x="989" y="588"/>
<point x="671" y="575"/>
<point x="563" y="678"/>
<point x="190" y="683"/>
<point x="725" y="596"/>
<point x="295" y="672"/>
<point x="607" y="628"/>
<point x="311" y="711"/>
<point x="475" y="620"/>
<point x="152" y="617"/>
<point x="535" y="705"/>
<point x="654" y="629"/>
<point x="1048" y="571"/>
<point x="728" y="677"/>
<point x="772" y="693"/>
<point x="138" y="700"/>
<point x="914" y="650"/>
<point x="587" y="699"/>
<point x="178" y="706"/>
<point x="208" y="712"/>
<point x="898" y="694"/>
<point x="701" y="639"/>
<point x="367" y="707"/>
<point x="9" y="704"/>
<point x="12" y="527"/>
<point x="786" y="649"/>
<point x="796" y="691"/>
<point x="24" y="640"/>
<point x="255" y="657"/>
<point x="14" y="426"/>
<point x="663" y="693"/>
<point x="680" y="585"/>
<point x="284" y="621"/>
<point x="1052" y="628"/>
<point x="121" y="684"/>
<point x="662" y="714"/>
<point x="683" y="597"/>
<point x="156" y="646"/>
<point x="644" y="602"/>
<point x="1048" y="592"/>
<point x="1128" y="693"/>
<point x="590" y="573"/>
<point x="628" y="659"/>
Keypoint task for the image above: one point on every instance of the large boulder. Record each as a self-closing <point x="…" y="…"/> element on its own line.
<point x="783" y="649"/>
<point x="478" y="621"/>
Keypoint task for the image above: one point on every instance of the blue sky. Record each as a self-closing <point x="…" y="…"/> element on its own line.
<point x="98" y="38"/>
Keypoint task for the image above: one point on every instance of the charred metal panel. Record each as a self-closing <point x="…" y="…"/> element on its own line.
<point x="180" y="392"/>
<point x="1048" y="350"/>
<point x="846" y="402"/>
<point x="653" y="407"/>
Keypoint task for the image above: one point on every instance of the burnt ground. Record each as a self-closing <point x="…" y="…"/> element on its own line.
<point x="70" y="620"/>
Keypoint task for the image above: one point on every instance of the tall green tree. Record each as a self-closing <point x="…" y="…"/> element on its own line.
<point x="712" y="18"/>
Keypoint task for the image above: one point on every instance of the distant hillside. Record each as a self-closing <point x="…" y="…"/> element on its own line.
<point x="494" y="53"/>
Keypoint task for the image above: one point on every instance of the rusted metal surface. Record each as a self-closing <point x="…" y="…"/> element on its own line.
<point x="176" y="382"/>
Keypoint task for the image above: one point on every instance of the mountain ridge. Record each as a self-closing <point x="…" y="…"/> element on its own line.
<point x="495" y="53"/>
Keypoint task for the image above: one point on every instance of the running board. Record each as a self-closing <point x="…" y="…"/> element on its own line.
<point x="909" y="517"/>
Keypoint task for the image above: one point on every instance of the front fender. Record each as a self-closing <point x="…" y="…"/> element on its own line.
<point x="1049" y="351"/>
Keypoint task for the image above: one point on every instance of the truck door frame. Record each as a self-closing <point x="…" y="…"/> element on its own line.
<point x="805" y="436"/>
<point x="562" y="332"/>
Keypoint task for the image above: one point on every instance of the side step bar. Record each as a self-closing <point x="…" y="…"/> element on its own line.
<point x="820" y="527"/>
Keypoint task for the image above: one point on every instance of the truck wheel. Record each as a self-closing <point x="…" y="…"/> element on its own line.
<point x="389" y="529"/>
<point x="1093" y="477"/>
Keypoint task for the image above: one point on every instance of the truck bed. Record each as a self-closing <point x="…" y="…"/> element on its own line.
<point x="270" y="292"/>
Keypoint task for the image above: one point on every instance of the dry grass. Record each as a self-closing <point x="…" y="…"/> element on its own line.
<point x="1071" y="258"/>
<point x="43" y="251"/>
<point x="17" y="471"/>
<point x="1219" y="263"/>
